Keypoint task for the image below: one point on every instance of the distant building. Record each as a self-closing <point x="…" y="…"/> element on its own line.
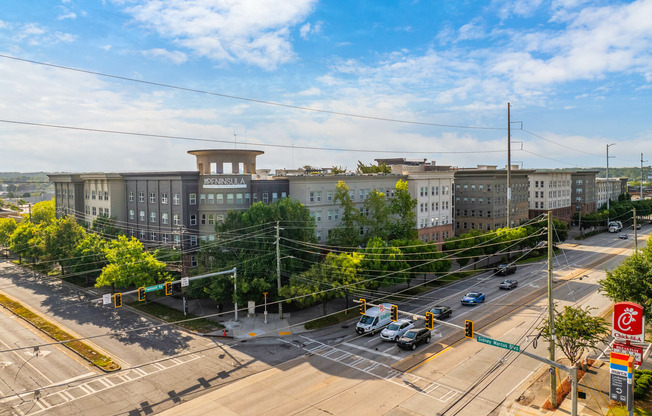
<point x="583" y="191"/>
<point x="614" y="187"/>
<point x="551" y="191"/>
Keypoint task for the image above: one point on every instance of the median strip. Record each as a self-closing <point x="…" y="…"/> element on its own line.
<point x="53" y="331"/>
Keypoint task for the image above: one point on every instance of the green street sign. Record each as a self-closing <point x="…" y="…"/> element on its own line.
<point x="496" y="343"/>
<point x="153" y="288"/>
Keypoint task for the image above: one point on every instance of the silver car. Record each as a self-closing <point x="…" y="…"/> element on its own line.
<point x="395" y="330"/>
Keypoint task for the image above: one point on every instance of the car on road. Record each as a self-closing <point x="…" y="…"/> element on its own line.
<point x="638" y="226"/>
<point x="473" y="298"/>
<point x="395" y="330"/>
<point x="623" y="236"/>
<point x="508" y="284"/>
<point x="505" y="269"/>
<point x="441" y="312"/>
<point x="412" y="338"/>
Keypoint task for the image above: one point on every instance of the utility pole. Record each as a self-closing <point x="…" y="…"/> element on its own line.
<point x="278" y="271"/>
<point x="635" y="232"/>
<point x="551" y="317"/>
<point x="608" y="193"/>
<point x="182" y="230"/>
<point x="642" y="176"/>
<point x="509" y="165"/>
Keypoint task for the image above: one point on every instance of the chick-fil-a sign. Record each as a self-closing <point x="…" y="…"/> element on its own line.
<point x="628" y="322"/>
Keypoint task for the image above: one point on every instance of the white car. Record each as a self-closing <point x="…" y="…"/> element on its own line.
<point x="395" y="330"/>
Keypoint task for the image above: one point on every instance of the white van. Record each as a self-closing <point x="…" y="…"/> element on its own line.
<point x="374" y="320"/>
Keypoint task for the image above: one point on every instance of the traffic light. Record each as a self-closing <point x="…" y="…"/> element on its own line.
<point x="468" y="329"/>
<point x="430" y="323"/>
<point x="141" y="294"/>
<point x="394" y="313"/>
<point x="363" y="306"/>
<point x="168" y="288"/>
<point x="117" y="300"/>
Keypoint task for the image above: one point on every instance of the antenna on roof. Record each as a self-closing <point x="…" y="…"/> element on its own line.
<point x="235" y="144"/>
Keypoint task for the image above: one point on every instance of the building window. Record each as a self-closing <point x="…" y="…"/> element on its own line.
<point x="193" y="240"/>
<point x="274" y="196"/>
<point x="247" y="198"/>
<point x="141" y="196"/>
<point x="164" y="218"/>
<point x="164" y="198"/>
<point x="352" y="194"/>
<point x="152" y="197"/>
<point x="311" y="196"/>
<point x="361" y="194"/>
<point x="202" y="199"/>
<point x="132" y="214"/>
<point x="239" y="199"/>
<point x="193" y="261"/>
<point x="193" y="219"/>
<point x="152" y="216"/>
<point x="193" y="199"/>
<point x="152" y="236"/>
<point x="177" y="240"/>
<point x="176" y="199"/>
<point x="265" y="198"/>
<point x="106" y="195"/>
<point x="142" y="234"/>
<point x="230" y="199"/>
<point x="203" y="219"/>
<point x="93" y="195"/>
<point x="329" y="196"/>
<point x="141" y="215"/>
<point x="164" y="238"/>
<point x="211" y="198"/>
<point x="219" y="218"/>
<point x="176" y="220"/>
<point x="86" y="194"/>
<point x="337" y="214"/>
<point x="211" y="219"/>
<point x="330" y="215"/>
<point x="220" y="198"/>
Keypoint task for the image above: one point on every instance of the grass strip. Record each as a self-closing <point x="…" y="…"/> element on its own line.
<point x="56" y="333"/>
<point x="165" y="313"/>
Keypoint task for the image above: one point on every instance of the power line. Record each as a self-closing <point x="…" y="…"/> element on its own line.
<point x="253" y="100"/>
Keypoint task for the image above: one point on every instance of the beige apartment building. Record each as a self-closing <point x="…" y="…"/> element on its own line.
<point x="551" y="191"/>
<point x="481" y="198"/>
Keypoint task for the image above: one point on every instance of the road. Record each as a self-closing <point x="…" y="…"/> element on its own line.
<point x="330" y="370"/>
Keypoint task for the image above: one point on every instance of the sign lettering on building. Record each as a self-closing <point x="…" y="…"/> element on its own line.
<point x="224" y="182"/>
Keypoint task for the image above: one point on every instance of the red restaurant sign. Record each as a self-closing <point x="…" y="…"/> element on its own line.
<point x="628" y="322"/>
<point x="633" y="350"/>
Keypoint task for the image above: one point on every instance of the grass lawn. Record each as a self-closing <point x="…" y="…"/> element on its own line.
<point x="168" y="314"/>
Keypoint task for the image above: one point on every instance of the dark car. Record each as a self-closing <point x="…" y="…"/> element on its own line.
<point x="473" y="298"/>
<point x="441" y="312"/>
<point x="508" y="284"/>
<point x="505" y="269"/>
<point x="623" y="236"/>
<point x="414" y="337"/>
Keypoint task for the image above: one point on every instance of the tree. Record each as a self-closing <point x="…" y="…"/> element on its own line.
<point x="382" y="263"/>
<point x="128" y="264"/>
<point x="421" y="258"/>
<point x="89" y="257"/>
<point x="347" y="233"/>
<point x="380" y="168"/>
<point x="42" y="213"/>
<point x="576" y="330"/>
<point x="334" y="278"/>
<point x="338" y="170"/>
<point x="7" y="227"/>
<point x="60" y="239"/>
<point x="403" y="206"/>
<point x="26" y="241"/>
<point x="377" y="215"/>
<point x="632" y="281"/>
<point x="106" y="226"/>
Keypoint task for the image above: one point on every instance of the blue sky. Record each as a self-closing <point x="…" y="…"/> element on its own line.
<point x="414" y="79"/>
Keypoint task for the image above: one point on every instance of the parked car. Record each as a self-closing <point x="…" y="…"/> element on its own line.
<point x="441" y="312"/>
<point x="473" y="298"/>
<point x="508" y="284"/>
<point x="395" y="330"/>
<point x="412" y="338"/>
<point x="623" y="236"/>
<point x="505" y="269"/>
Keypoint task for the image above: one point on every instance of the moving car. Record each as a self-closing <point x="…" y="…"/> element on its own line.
<point x="374" y="320"/>
<point x="473" y="298"/>
<point x="441" y="312"/>
<point x="414" y="337"/>
<point x="638" y="226"/>
<point x="395" y="330"/>
<point x="505" y="269"/>
<point x="508" y="284"/>
<point x="623" y="236"/>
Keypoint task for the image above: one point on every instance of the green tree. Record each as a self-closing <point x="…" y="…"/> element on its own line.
<point x="421" y="258"/>
<point x="89" y="257"/>
<point x="333" y="278"/>
<point x="7" y="227"/>
<point x="106" y="226"/>
<point x="377" y="216"/>
<point x="347" y="233"/>
<point x="403" y="206"/>
<point x="26" y="241"/>
<point x="576" y="331"/>
<point x="380" y="168"/>
<point x="338" y="170"/>
<point x="382" y="263"/>
<point x="60" y="238"/>
<point x="42" y="213"/>
<point x="631" y="281"/>
<point x="129" y="264"/>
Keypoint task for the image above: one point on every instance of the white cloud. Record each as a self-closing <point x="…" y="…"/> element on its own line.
<point x="68" y="15"/>
<point x="175" y="57"/>
<point x="252" y="31"/>
<point x="304" y="31"/>
<point x="314" y="91"/>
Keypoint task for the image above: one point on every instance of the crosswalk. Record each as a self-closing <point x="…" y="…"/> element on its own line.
<point x="376" y="369"/>
<point x="34" y="404"/>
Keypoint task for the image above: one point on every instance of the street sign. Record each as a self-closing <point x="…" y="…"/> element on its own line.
<point x="628" y="322"/>
<point x="153" y="288"/>
<point x="107" y="299"/>
<point x="633" y="350"/>
<point x="618" y="388"/>
<point x="496" y="343"/>
<point x="621" y="386"/>
<point x="184" y="282"/>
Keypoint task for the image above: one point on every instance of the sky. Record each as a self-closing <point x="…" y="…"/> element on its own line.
<point x="133" y="85"/>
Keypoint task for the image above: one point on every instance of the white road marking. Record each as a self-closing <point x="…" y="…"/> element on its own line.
<point x="369" y="350"/>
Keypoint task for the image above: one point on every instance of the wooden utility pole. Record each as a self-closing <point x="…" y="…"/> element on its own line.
<point x="551" y="317"/>
<point x="509" y="166"/>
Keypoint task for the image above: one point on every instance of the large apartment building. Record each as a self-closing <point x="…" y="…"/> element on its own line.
<point x="481" y="198"/>
<point x="583" y="191"/>
<point x="551" y="192"/>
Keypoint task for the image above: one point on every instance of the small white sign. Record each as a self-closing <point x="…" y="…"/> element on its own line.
<point x="106" y="299"/>
<point x="184" y="282"/>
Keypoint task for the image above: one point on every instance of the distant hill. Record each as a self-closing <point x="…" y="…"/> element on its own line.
<point x="634" y="174"/>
